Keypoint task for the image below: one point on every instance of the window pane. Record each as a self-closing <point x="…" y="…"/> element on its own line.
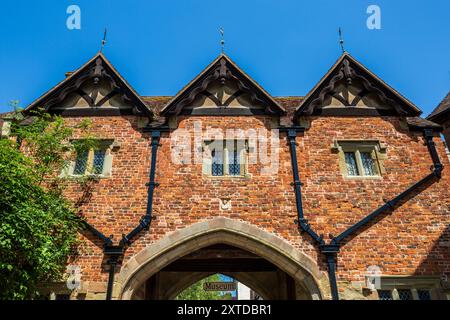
<point x="424" y="294"/>
<point x="385" y="295"/>
<point x="404" y="294"/>
<point x="81" y="163"/>
<point x="368" y="164"/>
<point x="234" y="168"/>
<point x="217" y="162"/>
<point x="350" y="161"/>
<point x="99" y="159"/>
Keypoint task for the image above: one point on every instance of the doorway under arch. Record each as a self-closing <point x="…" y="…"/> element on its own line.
<point x="240" y="250"/>
<point x="219" y="287"/>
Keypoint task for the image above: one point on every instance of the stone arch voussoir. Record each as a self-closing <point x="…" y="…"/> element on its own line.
<point x="226" y="231"/>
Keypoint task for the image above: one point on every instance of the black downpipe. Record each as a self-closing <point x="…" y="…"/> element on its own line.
<point x="112" y="269"/>
<point x="107" y="241"/>
<point x="389" y="205"/>
<point x="144" y="223"/>
<point x="437" y="165"/>
<point x="331" y="250"/>
<point x="301" y="221"/>
<point x="115" y="252"/>
<point x="437" y="170"/>
<point x="331" y="262"/>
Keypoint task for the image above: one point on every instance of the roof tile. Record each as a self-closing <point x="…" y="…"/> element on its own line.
<point x="442" y="108"/>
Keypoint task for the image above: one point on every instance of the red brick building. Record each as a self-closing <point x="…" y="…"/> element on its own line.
<point x="342" y="193"/>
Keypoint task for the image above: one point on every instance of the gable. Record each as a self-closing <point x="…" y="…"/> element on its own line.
<point x="442" y="111"/>
<point x="222" y="89"/>
<point x="95" y="89"/>
<point x="349" y="89"/>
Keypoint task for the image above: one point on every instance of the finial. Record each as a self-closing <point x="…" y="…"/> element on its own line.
<point x="222" y="40"/>
<point x="103" y="41"/>
<point x="341" y="40"/>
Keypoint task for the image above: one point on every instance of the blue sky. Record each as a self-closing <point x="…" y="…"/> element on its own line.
<point x="285" y="45"/>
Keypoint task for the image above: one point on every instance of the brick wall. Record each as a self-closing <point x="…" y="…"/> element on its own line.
<point x="406" y="242"/>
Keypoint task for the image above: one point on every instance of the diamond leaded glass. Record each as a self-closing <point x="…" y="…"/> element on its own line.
<point x="217" y="163"/>
<point x="81" y="163"/>
<point x="424" y="294"/>
<point x="404" y="294"/>
<point x="234" y="168"/>
<point x="385" y="295"/>
<point x="368" y="164"/>
<point x="350" y="161"/>
<point x="99" y="159"/>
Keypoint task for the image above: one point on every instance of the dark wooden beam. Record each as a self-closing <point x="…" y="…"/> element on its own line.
<point x="221" y="265"/>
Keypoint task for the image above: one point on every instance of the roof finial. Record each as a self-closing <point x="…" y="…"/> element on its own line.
<point x="222" y="40"/>
<point x="103" y="41"/>
<point x="341" y="40"/>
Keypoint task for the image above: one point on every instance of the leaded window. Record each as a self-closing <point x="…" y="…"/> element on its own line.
<point x="404" y="294"/>
<point x="359" y="158"/>
<point x="217" y="162"/>
<point x="368" y="164"/>
<point x="92" y="161"/>
<point x="98" y="161"/>
<point x="81" y="163"/>
<point x="350" y="161"/>
<point x="227" y="157"/>
<point x="385" y="294"/>
<point x="424" y="294"/>
<point x="234" y="165"/>
<point x="409" y="288"/>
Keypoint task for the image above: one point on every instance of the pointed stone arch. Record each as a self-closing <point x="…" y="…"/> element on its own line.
<point x="225" y="231"/>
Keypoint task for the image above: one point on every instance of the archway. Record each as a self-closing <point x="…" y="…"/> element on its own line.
<point x="310" y="282"/>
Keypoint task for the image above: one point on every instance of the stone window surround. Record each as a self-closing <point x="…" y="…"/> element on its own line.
<point x="243" y="155"/>
<point x="5" y="128"/>
<point x="413" y="283"/>
<point x="110" y="145"/>
<point x="340" y="146"/>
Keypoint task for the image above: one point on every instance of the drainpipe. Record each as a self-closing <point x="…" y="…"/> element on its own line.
<point x="331" y="250"/>
<point x="437" y="168"/>
<point x="112" y="269"/>
<point x="388" y="205"/>
<point x="113" y="252"/>
<point x="301" y="221"/>
<point x="437" y="165"/>
<point x="106" y="241"/>
<point x="144" y="223"/>
<point x="116" y="252"/>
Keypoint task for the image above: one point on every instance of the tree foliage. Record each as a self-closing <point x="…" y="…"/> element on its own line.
<point x="38" y="226"/>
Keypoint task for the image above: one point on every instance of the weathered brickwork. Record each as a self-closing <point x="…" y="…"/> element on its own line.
<point x="408" y="241"/>
<point x="256" y="212"/>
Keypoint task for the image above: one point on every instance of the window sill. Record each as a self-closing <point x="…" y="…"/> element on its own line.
<point x="362" y="177"/>
<point x="93" y="176"/>
<point x="243" y="177"/>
